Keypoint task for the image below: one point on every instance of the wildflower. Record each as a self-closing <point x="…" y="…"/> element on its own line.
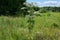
<point x="24" y="3"/>
<point x="35" y="12"/>
<point x="28" y="11"/>
<point x="23" y="8"/>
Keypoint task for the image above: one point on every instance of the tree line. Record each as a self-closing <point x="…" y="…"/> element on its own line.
<point x="13" y="7"/>
<point x="49" y="9"/>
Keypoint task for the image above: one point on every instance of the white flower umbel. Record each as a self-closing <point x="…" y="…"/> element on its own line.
<point x="28" y="4"/>
<point x="35" y="12"/>
<point x="28" y="11"/>
<point x="23" y="8"/>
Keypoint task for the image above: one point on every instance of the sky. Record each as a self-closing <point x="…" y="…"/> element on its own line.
<point x="45" y="2"/>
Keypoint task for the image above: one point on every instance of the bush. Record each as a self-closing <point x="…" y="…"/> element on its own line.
<point x="42" y="11"/>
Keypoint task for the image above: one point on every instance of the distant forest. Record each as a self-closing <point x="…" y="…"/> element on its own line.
<point x="50" y="9"/>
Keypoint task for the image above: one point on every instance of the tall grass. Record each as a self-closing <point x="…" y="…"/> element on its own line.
<point x="45" y="27"/>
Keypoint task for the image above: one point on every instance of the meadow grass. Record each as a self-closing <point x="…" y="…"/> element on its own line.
<point x="46" y="27"/>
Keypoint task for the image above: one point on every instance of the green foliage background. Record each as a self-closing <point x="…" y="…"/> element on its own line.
<point x="10" y="7"/>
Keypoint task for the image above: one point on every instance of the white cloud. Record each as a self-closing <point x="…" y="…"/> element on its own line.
<point x="51" y="3"/>
<point x="37" y="3"/>
<point x="48" y="3"/>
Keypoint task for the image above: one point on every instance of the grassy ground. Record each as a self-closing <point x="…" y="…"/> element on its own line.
<point x="46" y="27"/>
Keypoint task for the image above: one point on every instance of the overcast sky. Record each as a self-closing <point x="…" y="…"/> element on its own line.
<point x="45" y="2"/>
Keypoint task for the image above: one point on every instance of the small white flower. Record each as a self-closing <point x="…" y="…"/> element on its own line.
<point x="24" y="3"/>
<point x="35" y="12"/>
<point x="28" y="11"/>
<point x="23" y="8"/>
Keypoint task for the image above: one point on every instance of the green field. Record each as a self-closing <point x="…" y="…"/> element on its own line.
<point x="46" y="27"/>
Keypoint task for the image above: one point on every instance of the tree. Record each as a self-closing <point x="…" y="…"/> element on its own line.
<point x="10" y="7"/>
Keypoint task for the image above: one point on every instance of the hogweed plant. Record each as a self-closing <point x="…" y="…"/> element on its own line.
<point x="30" y="17"/>
<point x="31" y="23"/>
<point x="30" y="20"/>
